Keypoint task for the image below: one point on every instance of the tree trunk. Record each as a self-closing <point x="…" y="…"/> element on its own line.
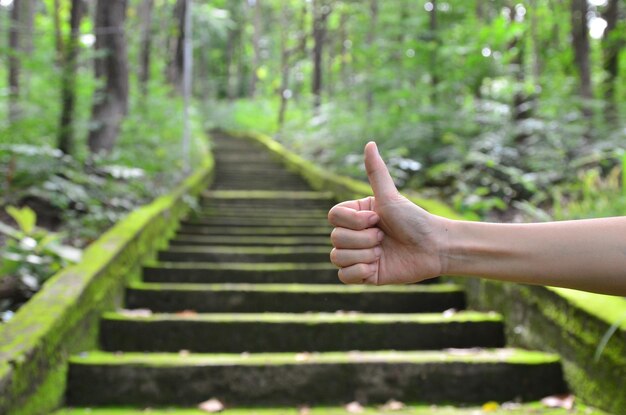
<point x="58" y="38"/>
<point x="175" y="65"/>
<point x="343" y="53"/>
<point x="284" y="68"/>
<point x="145" y="13"/>
<point x="371" y="36"/>
<point x="14" y="62"/>
<point x="65" y="137"/>
<point x="111" y="101"/>
<point x="580" y="44"/>
<point x="611" y="50"/>
<point x="434" y="78"/>
<point x="321" y="11"/>
<point x="256" y="47"/>
<point x="27" y="22"/>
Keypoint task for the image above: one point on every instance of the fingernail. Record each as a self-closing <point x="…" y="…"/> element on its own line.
<point x="378" y="250"/>
<point x="380" y="236"/>
<point x="373" y="219"/>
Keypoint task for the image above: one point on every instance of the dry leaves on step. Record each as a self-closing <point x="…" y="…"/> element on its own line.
<point x="490" y="406"/>
<point x="137" y="312"/>
<point x="211" y="406"/>
<point x="392" y="405"/>
<point x="303" y="357"/>
<point x="184" y="352"/>
<point x="449" y="312"/>
<point x="187" y="313"/>
<point x="304" y="410"/>
<point x="354" y="408"/>
<point x="559" y="401"/>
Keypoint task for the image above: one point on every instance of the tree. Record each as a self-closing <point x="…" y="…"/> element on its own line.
<point x="580" y="44"/>
<point x="110" y="102"/>
<point x="175" y="64"/>
<point x="611" y="48"/>
<point x="145" y="16"/>
<point x="256" y="46"/>
<point x="65" y="137"/>
<point x="14" y="61"/>
<point x="321" y="11"/>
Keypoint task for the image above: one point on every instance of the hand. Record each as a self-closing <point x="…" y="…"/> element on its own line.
<point x="385" y="239"/>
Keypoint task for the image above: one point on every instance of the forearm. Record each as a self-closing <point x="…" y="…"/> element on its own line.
<point x="587" y="254"/>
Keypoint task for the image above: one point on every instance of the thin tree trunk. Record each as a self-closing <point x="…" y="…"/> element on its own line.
<point x="146" y="43"/>
<point x="175" y="65"/>
<point x="371" y="36"/>
<point x="14" y="62"/>
<point x="256" y="47"/>
<point x="230" y="67"/>
<point x="284" y="68"/>
<point x="580" y="44"/>
<point x="343" y="54"/>
<point x="27" y="22"/>
<point x="434" y="77"/>
<point x="58" y="38"/>
<point x="111" y="101"/>
<point x="611" y="49"/>
<point x="65" y="138"/>
<point x="321" y="12"/>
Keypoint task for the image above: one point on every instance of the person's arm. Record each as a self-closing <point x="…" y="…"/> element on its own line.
<point x="387" y="239"/>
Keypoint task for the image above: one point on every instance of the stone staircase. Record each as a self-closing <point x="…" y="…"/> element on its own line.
<point x="245" y="307"/>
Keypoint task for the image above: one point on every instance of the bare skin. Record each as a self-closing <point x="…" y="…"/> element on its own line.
<point x="387" y="239"/>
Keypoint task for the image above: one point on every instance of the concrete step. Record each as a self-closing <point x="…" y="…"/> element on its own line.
<point x="274" y="241"/>
<point x="535" y="408"/>
<point x="294" y="298"/>
<point x="259" y="221"/>
<point x="256" y="231"/>
<point x="254" y="273"/>
<point x="267" y="199"/>
<point x="256" y="212"/>
<point x="461" y="376"/>
<point x="245" y="254"/>
<point x="287" y="332"/>
<point x="243" y="185"/>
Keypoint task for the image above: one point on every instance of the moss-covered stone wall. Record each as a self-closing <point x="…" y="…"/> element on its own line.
<point x="570" y="323"/>
<point x="62" y="319"/>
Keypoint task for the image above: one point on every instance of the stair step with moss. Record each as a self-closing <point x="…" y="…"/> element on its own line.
<point x="245" y="254"/>
<point x="285" y="332"/>
<point x="248" y="184"/>
<point x="223" y="240"/>
<point x="251" y="212"/>
<point x="255" y="231"/>
<point x="207" y="272"/>
<point x="241" y="221"/>
<point x="269" y="203"/>
<point x="294" y="298"/>
<point x="390" y="408"/>
<point x="467" y="376"/>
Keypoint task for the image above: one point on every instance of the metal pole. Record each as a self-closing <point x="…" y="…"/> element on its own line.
<point x="187" y="72"/>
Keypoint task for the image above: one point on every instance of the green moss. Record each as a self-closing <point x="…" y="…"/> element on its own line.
<point x="608" y="308"/>
<point x="410" y="409"/>
<point x="62" y="318"/>
<point x="343" y="188"/>
<point x="296" y="288"/>
<point x="320" y="318"/>
<point x="478" y="356"/>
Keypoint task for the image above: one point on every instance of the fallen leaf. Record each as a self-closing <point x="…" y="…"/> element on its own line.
<point x="184" y="352"/>
<point x="212" y="405"/>
<point x="511" y="406"/>
<point x="187" y="313"/>
<point x="354" y="408"/>
<point x="392" y="405"/>
<point x="303" y="357"/>
<point x="559" y="401"/>
<point x="304" y="410"/>
<point x="449" y="312"/>
<point x="137" y="312"/>
<point x="490" y="406"/>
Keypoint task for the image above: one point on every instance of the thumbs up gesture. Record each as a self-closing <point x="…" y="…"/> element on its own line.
<point x="385" y="239"/>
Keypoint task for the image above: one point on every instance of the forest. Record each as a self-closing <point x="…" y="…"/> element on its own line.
<point x="506" y="110"/>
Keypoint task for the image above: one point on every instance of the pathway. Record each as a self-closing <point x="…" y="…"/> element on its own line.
<point x="245" y="307"/>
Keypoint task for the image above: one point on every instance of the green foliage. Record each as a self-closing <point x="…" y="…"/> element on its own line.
<point x="30" y="256"/>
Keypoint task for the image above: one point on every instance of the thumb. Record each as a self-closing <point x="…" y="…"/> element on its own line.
<point x="377" y="173"/>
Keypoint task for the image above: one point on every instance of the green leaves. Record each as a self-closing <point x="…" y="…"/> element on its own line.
<point x="24" y="217"/>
